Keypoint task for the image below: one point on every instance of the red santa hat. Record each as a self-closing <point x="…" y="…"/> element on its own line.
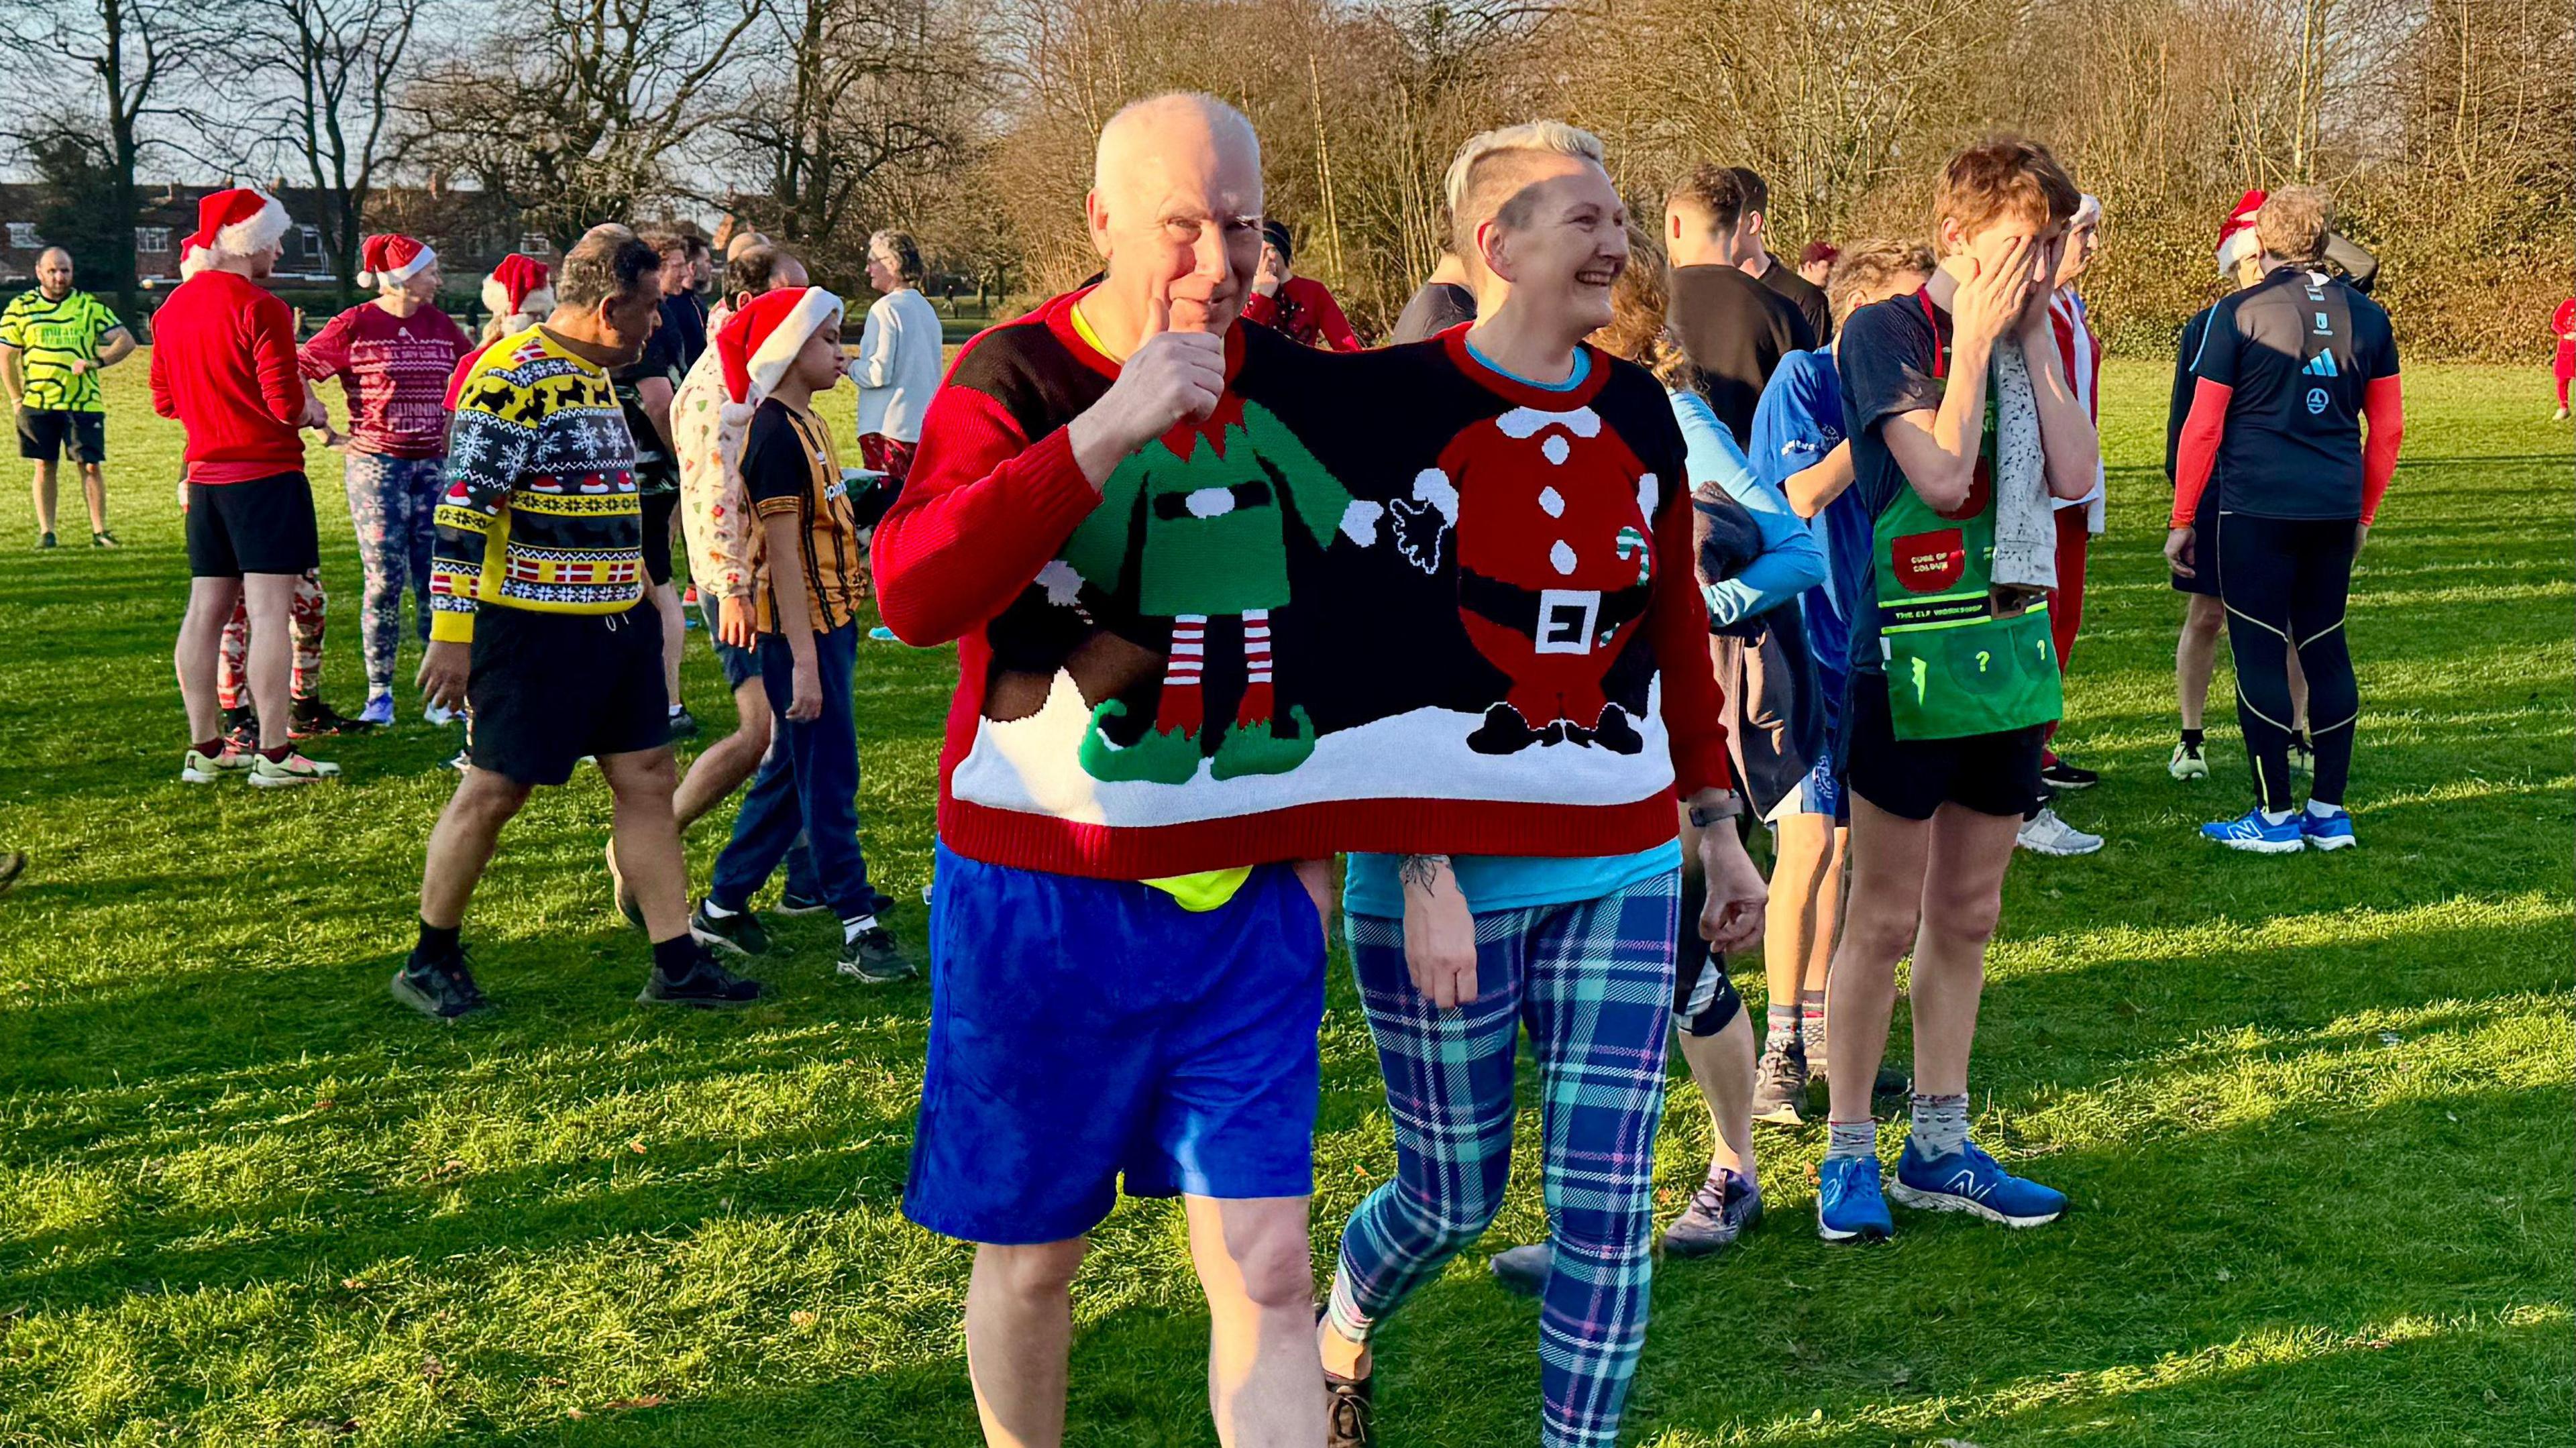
<point x="758" y="342"/>
<point x="2236" y="234"/>
<point x="520" y="285"/>
<point x="392" y="257"/>
<point x="241" y="222"/>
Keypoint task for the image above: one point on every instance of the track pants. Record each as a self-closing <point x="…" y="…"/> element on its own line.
<point x="1593" y="980"/>
<point x="2285" y="581"/>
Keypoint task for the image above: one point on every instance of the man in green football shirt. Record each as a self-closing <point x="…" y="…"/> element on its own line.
<point x="53" y="341"/>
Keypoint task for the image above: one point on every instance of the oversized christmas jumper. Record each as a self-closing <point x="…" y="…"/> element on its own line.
<point x="1379" y="601"/>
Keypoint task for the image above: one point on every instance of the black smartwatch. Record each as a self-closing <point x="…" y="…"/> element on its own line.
<point x="1704" y="815"/>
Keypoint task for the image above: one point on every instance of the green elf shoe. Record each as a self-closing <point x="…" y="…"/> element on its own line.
<point x="1161" y="757"/>
<point x="1255" y="748"/>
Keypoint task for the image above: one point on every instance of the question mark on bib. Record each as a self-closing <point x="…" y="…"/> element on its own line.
<point x="1983" y="658"/>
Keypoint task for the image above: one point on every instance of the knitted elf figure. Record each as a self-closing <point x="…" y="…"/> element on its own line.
<point x="1207" y="509"/>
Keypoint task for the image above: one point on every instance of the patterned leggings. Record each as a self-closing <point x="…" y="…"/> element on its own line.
<point x="1593" y="981"/>
<point x="304" y="619"/>
<point x="391" y="503"/>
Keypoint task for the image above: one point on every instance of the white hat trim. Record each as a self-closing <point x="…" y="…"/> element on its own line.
<point x="419" y="259"/>
<point x="249" y="238"/>
<point x="779" y="348"/>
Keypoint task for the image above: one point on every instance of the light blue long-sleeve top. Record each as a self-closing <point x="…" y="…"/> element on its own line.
<point x="1792" y="560"/>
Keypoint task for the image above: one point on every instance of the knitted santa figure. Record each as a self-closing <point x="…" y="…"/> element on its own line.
<point x="392" y="259"/>
<point x="519" y="293"/>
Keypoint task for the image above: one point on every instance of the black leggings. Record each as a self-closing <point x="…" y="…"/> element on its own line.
<point x="2284" y="581"/>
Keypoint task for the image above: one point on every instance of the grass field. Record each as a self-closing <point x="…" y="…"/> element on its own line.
<point x="2314" y="1112"/>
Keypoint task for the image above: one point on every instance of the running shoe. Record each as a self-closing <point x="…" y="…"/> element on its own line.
<point x="437" y="986"/>
<point x="463" y="761"/>
<point x="104" y="539"/>
<point x="2560" y="416"/>
<point x="879" y="634"/>
<point x="872" y="958"/>
<point x="792" y="903"/>
<point x="1849" y="1204"/>
<point x="312" y="718"/>
<point x="1522" y="1271"/>
<point x="2327" y="832"/>
<point x="1780" y="1086"/>
<point x="2254" y="833"/>
<point x="379" y="710"/>
<point x="1968" y="1180"/>
<point x="1350" y="1411"/>
<point x="618" y="894"/>
<point x="196" y="768"/>
<point x="2058" y="774"/>
<point x="294" y="769"/>
<point x="706" y="984"/>
<point x="738" y="933"/>
<point x="437" y="715"/>
<point x="1724" y="1208"/>
<point x="241" y="730"/>
<point x="684" y="725"/>
<point x="2045" y="834"/>
<point x="2187" y="763"/>
<point x="45" y="540"/>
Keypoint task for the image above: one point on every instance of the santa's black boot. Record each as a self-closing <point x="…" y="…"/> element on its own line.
<point x="1615" y="733"/>
<point x="1503" y="732"/>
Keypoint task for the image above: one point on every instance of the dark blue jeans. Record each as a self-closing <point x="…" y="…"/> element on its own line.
<point x="806" y="786"/>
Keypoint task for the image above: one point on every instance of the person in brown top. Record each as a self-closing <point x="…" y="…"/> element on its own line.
<point x="779" y="350"/>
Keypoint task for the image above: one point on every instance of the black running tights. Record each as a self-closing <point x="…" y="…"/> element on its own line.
<point x="2284" y="581"/>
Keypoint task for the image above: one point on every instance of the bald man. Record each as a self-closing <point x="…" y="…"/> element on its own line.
<point x="1089" y="1023"/>
<point x="53" y="342"/>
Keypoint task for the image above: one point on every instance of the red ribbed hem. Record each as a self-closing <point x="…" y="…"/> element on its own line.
<point x="1403" y="827"/>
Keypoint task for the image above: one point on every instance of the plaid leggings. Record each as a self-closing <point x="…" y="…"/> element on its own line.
<point x="1594" y="982"/>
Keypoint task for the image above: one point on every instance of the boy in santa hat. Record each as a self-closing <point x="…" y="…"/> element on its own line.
<point x="223" y="365"/>
<point x="393" y="357"/>
<point x="779" y="350"/>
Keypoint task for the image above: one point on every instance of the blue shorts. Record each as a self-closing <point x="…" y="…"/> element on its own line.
<point x="1083" y="1030"/>
<point x="1819" y="793"/>
<point x="740" y="666"/>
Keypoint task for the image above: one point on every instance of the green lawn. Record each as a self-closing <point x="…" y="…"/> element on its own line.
<point x="2314" y="1112"/>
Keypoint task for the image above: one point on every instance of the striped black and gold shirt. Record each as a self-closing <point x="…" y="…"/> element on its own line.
<point x="790" y="469"/>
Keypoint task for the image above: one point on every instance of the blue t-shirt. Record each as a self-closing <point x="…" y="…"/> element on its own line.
<point x="1511" y="882"/>
<point x="1799" y="422"/>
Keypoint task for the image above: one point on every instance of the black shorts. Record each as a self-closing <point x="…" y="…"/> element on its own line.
<point x="262" y="526"/>
<point x="548" y="688"/>
<point x="1993" y="774"/>
<point x="658" y="511"/>
<point x="2204" y="556"/>
<point x="44" y="433"/>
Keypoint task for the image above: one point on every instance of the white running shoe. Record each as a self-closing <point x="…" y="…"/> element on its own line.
<point x="196" y="768"/>
<point x="435" y="716"/>
<point x="2044" y="833"/>
<point x="294" y="769"/>
<point x="2187" y="763"/>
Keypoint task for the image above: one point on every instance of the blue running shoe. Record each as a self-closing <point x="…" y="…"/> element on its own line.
<point x="379" y="710"/>
<point x="2331" y="832"/>
<point x="1968" y="1180"/>
<point x="1848" y="1204"/>
<point x="882" y="634"/>
<point x="2255" y="833"/>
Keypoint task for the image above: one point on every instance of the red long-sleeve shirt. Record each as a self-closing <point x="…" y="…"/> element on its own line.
<point x="223" y="365"/>
<point x="1306" y="311"/>
<point x="1372" y="654"/>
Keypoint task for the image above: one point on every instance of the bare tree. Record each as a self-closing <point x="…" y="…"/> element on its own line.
<point x="578" y="116"/>
<point x="140" y="54"/>
<point x="335" y="68"/>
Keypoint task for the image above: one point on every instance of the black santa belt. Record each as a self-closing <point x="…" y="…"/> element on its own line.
<point x="1558" y="620"/>
<point x="1239" y="496"/>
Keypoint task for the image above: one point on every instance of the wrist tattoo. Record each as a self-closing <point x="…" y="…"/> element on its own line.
<point x="1420" y="870"/>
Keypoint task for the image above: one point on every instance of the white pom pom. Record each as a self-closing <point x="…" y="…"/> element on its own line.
<point x="366" y="278"/>
<point x="736" y="414"/>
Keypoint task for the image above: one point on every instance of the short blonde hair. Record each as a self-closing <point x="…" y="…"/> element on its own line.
<point x="2293" y="223"/>
<point x="1866" y="267"/>
<point x="1478" y="189"/>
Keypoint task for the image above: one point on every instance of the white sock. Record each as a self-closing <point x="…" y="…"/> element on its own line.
<point x="2323" y="810"/>
<point x="856" y="926"/>
<point x="716" y="911"/>
<point x="2276" y="817"/>
<point x="675" y="711"/>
